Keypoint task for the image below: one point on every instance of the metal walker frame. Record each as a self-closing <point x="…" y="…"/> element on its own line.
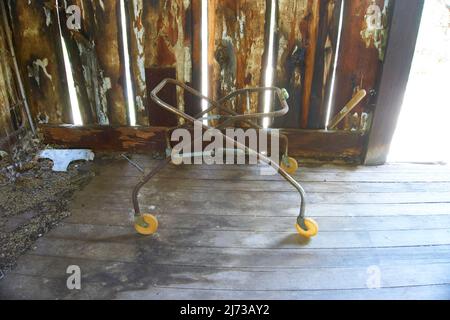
<point x="230" y="117"/>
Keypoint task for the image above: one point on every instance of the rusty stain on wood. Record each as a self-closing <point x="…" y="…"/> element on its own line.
<point x="36" y="38"/>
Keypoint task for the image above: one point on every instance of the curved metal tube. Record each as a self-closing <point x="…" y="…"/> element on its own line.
<point x="233" y="116"/>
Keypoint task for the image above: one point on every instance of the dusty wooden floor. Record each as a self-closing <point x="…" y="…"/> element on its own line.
<point x="228" y="232"/>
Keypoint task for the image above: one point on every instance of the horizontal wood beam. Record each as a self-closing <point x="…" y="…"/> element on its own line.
<point x="313" y="144"/>
<point x="105" y="138"/>
<point x="325" y="145"/>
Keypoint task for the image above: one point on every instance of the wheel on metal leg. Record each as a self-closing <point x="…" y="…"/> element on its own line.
<point x="289" y="165"/>
<point x="312" y="228"/>
<point x="146" y="224"/>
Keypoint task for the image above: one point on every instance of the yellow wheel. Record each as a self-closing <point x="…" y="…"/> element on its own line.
<point x="312" y="228"/>
<point x="291" y="166"/>
<point x="146" y="224"/>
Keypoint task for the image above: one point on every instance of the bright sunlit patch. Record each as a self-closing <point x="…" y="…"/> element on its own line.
<point x="336" y="57"/>
<point x="126" y="56"/>
<point x="76" y="114"/>
<point x="422" y="133"/>
<point x="268" y="80"/>
<point x="204" y="53"/>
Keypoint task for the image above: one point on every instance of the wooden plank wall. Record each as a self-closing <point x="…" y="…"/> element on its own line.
<point x="164" y="39"/>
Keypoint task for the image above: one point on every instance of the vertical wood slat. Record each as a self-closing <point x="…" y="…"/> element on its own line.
<point x="238" y="48"/>
<point x="296" y="33"/>
<point x="136" y="32"/>
<point x="359" y="65"/>
<point x="327" y="38"/>
<point x="6" y="83"/>
<point x="96" y="55"/>
<point x="193" y="27"/>
<point x="36" y="39"/>
<point x="168" y="44"/>
<point x="82" y="58"/>
<point x="106" y="38"/>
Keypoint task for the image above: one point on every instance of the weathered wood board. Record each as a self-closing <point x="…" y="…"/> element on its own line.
<point x="106" y="138"/>
<point x="318" y="144"/>
<point x="291" y="48"/>
<point x="7" y="98"/>
<point x="237" y="48"/>
<point x="364" y="35"/>
<point x="36" y="40"/>
<point x="136" y="40"/>
<point x="168" y="41"/>
<point x="326" y="49"/>
<point x="95" y="51"/>
<point x="216" y="243"/>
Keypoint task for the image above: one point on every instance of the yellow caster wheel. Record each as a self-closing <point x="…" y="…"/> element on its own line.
<point x="291" y="166"/>
<point x="146" y="224"/>
<point x="312" y="228"/>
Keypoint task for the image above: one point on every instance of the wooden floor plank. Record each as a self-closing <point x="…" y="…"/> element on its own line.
<point x="248" y="199"/>
<point x="27" y="287"/>
<point x="148" y="161"/>
<point x="148" y="204"/>
<point x="239" y="258"/>
<point x="246" y="239"/>
<point x="263" y="224"/>
<point x="174" y="184"/>
<point x="241" y="279"/>
<point x="228" y="231"/>
<point x="255" y="174"/>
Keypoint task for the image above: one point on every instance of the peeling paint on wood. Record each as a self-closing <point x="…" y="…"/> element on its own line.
<point x="8" y="98"/>
<point x="81" y="58"/>
<point x="5" y="116"/>
<point x="167" y="41"/>
<point x="36" y="38"/>
<point x="239" y="44"/>
<point x="359" y="66"/>
<point x="106" y="40"/>
<point x="136" y="33"/>
<point x="95" y="52"/>
<point x="376" y="30"/>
